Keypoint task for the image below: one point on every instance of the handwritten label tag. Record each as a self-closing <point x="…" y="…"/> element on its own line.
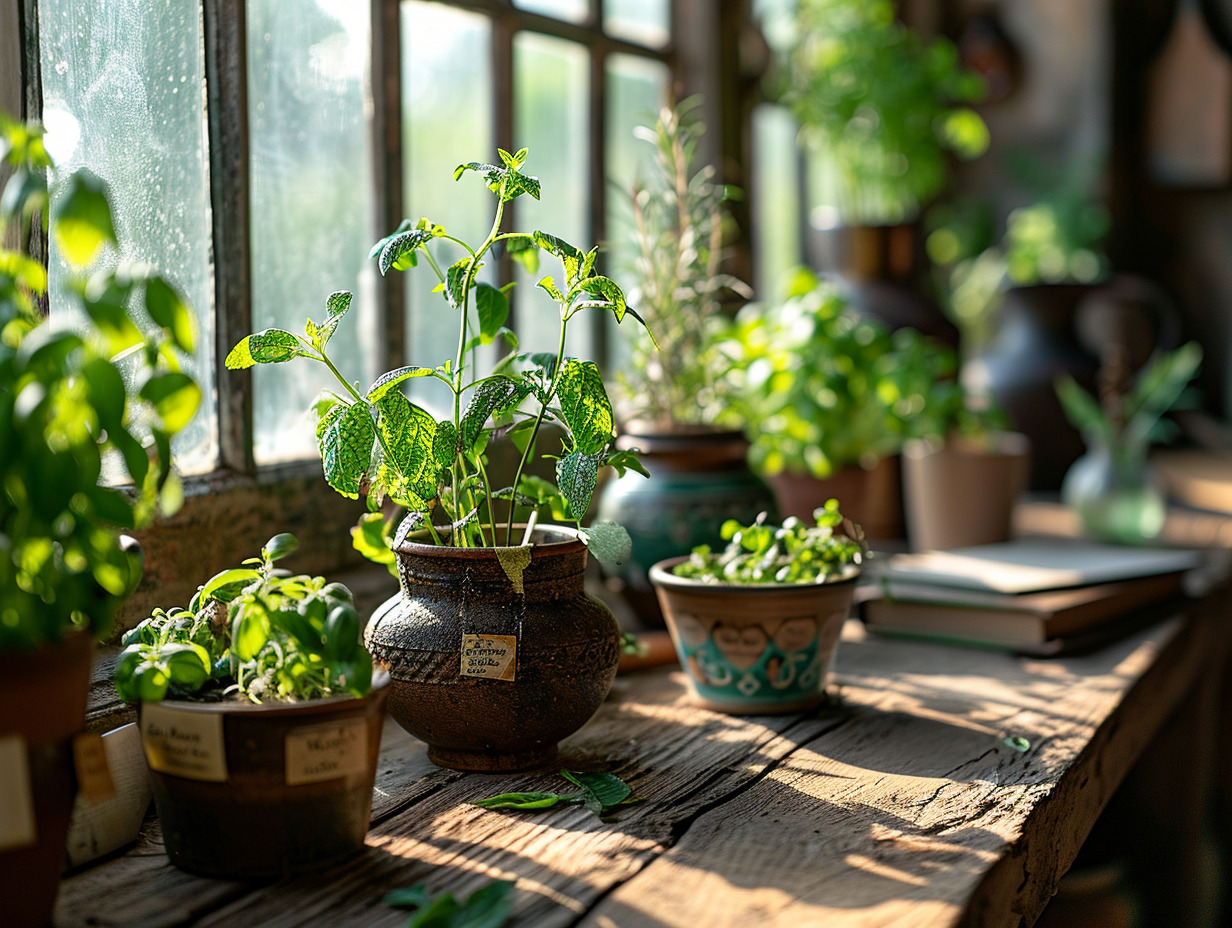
<point x="326" y="752"/>
<point x="94" y="780"/>
<point x="492" y="656"/>
<point x="17" y="828"/>
<point x="184" y="744"/>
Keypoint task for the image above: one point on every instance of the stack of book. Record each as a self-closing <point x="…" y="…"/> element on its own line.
<point x="1033" y="596"/>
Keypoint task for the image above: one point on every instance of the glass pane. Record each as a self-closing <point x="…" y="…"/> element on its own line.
<point x="644" y="21"/>
<point x="777" y="198"/>
<point x="312" y="201"/>
<point x="636" y="89"/>
<point x="573" y="11"/>
<point x="551" y="89"/>
<point x="122" y="96"/>
<point x="446" y="120"/>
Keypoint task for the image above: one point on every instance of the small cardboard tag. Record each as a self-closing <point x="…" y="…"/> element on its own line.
<point x="17" y="826"/>
<point x="494" y="657"/>
<point x="184" y="744"/>
<point x="327" y="752"/>
<point x="94" y="780"/>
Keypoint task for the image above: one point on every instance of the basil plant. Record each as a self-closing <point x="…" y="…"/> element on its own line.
<point x="377" y="442"/>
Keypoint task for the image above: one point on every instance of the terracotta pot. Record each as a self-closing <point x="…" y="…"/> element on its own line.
<point x="870" y="498"/>
<point x="963" y="493"/>
<point x="42" y="706"/>
<point x="489" y="676"/>
<point x="754" y="649"/>
<point x="698" y="479"/>
<point x="262" y="791"/>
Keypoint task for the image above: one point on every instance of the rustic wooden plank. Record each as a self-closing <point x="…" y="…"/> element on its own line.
<point x="887" y="809"/>
<point x="896" y="816"/>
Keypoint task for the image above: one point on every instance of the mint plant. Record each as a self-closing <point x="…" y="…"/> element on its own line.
<point x="598" y="792"/>
<point x="794" y="552"/>
<point x="255" y="632"/>
<point x="380" y="444"/>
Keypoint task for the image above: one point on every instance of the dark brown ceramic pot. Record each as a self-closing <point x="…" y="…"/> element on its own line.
<point x="250" y="792"/>
<point x="490" y="676"/>
<point x="872" y="499"/>
<point x="42" y="706"/>
<point x="754" y="649"/>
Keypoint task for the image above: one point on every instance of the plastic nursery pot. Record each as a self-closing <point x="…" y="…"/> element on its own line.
<point x="754" y="649"/>
<point x="249" y="791"/>
<point x="491" y="676"/>
<point x="42" y="706"/>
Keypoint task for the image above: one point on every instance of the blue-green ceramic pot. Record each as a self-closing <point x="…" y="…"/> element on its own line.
<point x="698" y="479"/>
<point x="754" y="649"/>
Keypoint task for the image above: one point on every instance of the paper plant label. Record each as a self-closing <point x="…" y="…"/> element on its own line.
<point x="492" y="656"/>
<point x="17" y="828"/>
<point x="94" y="780"/>
<point x="184" y="744"/>
<point x="327" y="752"/>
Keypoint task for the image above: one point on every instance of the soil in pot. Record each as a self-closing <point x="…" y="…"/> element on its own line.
<point x="490" y="673"/>
<point x="753" y="649"/>
<point x="261" y="791"/>
<point x="42" y="706"/>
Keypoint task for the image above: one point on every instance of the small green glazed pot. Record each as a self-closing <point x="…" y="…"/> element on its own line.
<point x="754" y="649"/>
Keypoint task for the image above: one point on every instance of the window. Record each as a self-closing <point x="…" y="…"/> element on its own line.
<point x="255" y="150"/>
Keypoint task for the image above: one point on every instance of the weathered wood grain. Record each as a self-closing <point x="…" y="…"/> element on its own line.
<point x="901" y="805"/>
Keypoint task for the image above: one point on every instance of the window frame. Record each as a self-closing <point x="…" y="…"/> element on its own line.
<point x="227" y="510"/>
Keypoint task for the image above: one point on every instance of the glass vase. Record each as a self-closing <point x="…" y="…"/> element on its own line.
<point x="1115" y="493"/>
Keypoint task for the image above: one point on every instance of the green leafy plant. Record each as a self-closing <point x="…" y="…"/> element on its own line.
<point x="794" y="552"/>
<point x="83" y="409"/>
<point x="599" y="792"/>
<point x="672" y="378"/>
<point x="380" y="444"/>
<point x="487" y="907"/>
<point x="818" y="387"/>
<point x="1130" y="414"/>
<point x="253" y="632"/>
<point x="881" y="106"/>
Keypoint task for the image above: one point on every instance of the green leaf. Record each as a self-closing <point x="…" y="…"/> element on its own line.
<point x="522" y="249"/>
<point x="346" y="447"/>
<point x="175" y="397"/>
<point x="510" y="184"/>
<point x="167" y="307"/>
<point x="25" y="192"/>
<point x="609" y="542"/>
<point x="369" y="538"/>
<point x="513" y="562"/>
<point x="336" y="304"/>
<point x="458" y="278"/>
<point x="83" y="223"/>
<point x="576" y="475"/>
<point x="271" y="346"/>
<point x="399" y="251"/>
<point x="188" y="665"/>
<point x="445" y="444"/>
<point x="609" y="294"/>
<point x="409" y="471"/>
<point x="490" y="395"/>
<point x="548" y="285"/>
<point x="602" y="790"/>
<point x="1080" y="407"/>
<point x="585" y="406"/>
<point x="281" y="545"/>
<point x="493" y="310"/>
<point x="391" y="379"/>
<point x="626" y="460"/>
<point x="558" y="247"/>
<point x="409" y="897"/>
<point x="249" y="633"/>
<point x="111" y="505"/>
<point x="227" y="584"/>
<point x="522" y="802"/>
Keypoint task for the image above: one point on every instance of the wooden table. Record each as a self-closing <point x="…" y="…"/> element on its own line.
<point x="905" y="804"/>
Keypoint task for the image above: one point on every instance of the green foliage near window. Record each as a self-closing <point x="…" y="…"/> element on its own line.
<point x="74" y="402"/>
<point x="380" y="444"/>
<point x="252" y="631"/>
<point x="678" y="237"/>
<point x="818" y="387"/>
<point x="794" y="552"/>
<point x="881" y="106"/>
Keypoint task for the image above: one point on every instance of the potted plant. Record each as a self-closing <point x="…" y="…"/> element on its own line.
<point x="827" y="401"/>
<point x="672" y="389"/>
<point x="881" y="110"/>
<point x="1112" y="487"/>
<point x="963" y="469"/>
<point x="495" y="650"/>
<point x="75" y="404"/>
<point x="755" y="626"/>
<point x="260" y="719"/>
